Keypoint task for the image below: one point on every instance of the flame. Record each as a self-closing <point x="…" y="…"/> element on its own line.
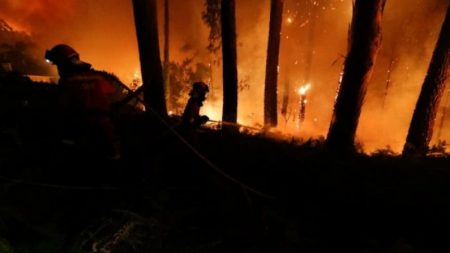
<point x="302" y="90"/>
<point x="212" y="111"/>
<point x="66" y="25"/>
<point x="16" y="26"/>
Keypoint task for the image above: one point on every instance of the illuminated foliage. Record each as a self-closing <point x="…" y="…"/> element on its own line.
<point x="211" y="17"/>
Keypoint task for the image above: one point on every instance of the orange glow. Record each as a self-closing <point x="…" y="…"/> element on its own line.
<point x="18" y="27"/>
<point x="212" y="110"/>
<point x="103" y="33"/>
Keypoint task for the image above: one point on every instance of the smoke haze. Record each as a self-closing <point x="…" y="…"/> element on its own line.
<point x="313" y="47"/>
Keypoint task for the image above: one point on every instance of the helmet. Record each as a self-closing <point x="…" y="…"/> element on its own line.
<point x="200" y="86"/>
<point x="61" y="54"/>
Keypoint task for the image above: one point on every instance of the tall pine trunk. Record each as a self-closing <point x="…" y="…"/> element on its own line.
<point x="273" y="52"/>
<point x="145" y="15"/>
<point x="166" y="49"/>
<point x="364" y="44"/>
<point x="286" y="94"/>
<point x="421" y="128"/>
<point x="230" y="79"/>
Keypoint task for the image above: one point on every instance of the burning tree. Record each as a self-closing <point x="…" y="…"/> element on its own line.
<point x="273" y="51"/>
<point x="230" y="79"/>
<point x="302" y="103"/>
<point x="285" y="100"/>
<point x="364" y="44"/>
<point x="145" y="15"/>
<point x="422" y="123"/>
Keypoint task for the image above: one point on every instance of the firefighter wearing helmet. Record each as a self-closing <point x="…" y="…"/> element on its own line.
<point x="191" y="116"/>
<point x="84" y="101"/>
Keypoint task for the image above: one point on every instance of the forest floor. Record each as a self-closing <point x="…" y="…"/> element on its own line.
<point x="222" y="192"/>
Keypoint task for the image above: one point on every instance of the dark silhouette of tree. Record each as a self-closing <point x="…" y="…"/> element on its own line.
<point x="286" y="93"/>
<point x="145" y="15"/>
<point x="422" y="123"/>
<point x="230" y="79"/>
<point x="166" y="49"/>
<point x="364" y="44"/>
<point x="273" y="52"/>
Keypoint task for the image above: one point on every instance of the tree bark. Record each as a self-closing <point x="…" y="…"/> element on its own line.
<point x="145" y="15"/>
<point x="230" y="79"/>
<point x="422" y="123"/>
<point x="443" y="117"/>
<point x="166" y="49"/>
<point x="273" y="52"/>
<point x="364" y="44"/>
<point x="286" y="95"/>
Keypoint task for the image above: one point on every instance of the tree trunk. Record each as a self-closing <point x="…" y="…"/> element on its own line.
<point x="364" y="44"/>
<point x="273" y="52"/>
<point x="286" y="94"/>
<point x="443" y="117"/>
<point x="145" y="15"/>
<point x="166" y="49"/>
<point x="421" y="128"/>
<point x="230" y="79"/>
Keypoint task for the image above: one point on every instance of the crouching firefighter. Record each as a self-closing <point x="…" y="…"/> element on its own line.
<point x="191" y="118"/>
<point x="84" y="103"/>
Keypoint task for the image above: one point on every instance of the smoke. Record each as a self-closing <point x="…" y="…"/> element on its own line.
<point x="410" y="29"/>
<point x="38" y="17"/>
<point x="102" y="31"/>
<point x="314" y="44"/>
<point x="313" y="47"/>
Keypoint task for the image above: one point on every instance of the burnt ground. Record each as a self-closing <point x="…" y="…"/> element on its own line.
<point x="163" y="197"/>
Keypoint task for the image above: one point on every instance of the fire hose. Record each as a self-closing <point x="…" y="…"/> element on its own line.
<point x="226" y="123"/>
<point x="245" y="187"/>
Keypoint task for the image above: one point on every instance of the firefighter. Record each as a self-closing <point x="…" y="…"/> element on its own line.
<point x="191" y="116"/>
<point x="84" y="101"/>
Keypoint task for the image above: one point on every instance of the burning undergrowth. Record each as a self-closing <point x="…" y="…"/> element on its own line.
<point x="19" y="50"/>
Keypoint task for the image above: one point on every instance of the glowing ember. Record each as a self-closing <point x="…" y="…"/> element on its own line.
<point x="302" y="103"/>
<point x="302" y="90"/>
<point x="290" y="20"/>
<point x="136" y="82"/>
